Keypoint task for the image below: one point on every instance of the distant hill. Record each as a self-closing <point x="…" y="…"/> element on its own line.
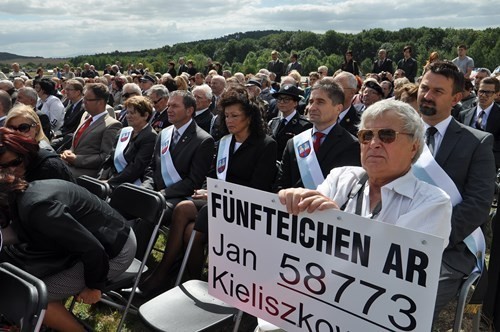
<point x="9" y="56"/>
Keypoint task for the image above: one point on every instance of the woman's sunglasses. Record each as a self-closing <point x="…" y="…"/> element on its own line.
<point x="387" y="136"/>
<point x="23" y="127"/>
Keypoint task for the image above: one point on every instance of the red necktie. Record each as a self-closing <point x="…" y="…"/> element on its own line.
<point x="80" y="131"/>
<point x="317" y="140"/>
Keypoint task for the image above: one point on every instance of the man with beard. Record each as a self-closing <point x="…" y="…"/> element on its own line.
<point x="466" y="156"/>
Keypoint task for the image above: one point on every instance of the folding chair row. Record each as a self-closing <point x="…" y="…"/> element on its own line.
<point x="23" y="299"/>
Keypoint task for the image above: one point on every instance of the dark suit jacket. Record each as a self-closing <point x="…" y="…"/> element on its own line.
<point x="94" y="146"/>
<point x="204" y="120"/>
<point x="293" y="127"/>
<point x="465" y="154"/>
<point x="277" y="67"/>
<point x="253" y="164"/>
<point x="410" y="67"/>
<point x="385" y="66"/>
<point x="338" y="149"/>
<point x="351" y="120"/>
<point x="160" y="122"/>
<point x="72" y="118"/>
<point x="45" y="122"/>
<point x="138" y="154"/>
<point x="192" y="157"/>
<point x="467" y="117"/>
<point x="293" y="66"/>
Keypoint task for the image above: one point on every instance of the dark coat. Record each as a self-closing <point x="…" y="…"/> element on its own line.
<point x="295" y="126"/>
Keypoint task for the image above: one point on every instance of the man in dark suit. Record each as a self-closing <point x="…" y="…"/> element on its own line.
<point x="294" y="64"/>
<point x="72" y="116"/>
<point x="94" y="138"/>
<point x="486" y="115"/>
<point x="203" y="115"/>
<point x="333" y="146"/>
<point x="408" y="64"/>
<point x="158" y="94"/>
<point x="276" y="65"/>
<point x="182" y="66"/>
<point x="466" y="155"/>
<point x="382" y="64"/>
<point x="290" y="122"/>
<point x="184" y="151"/>
<point x="349" y="118"/>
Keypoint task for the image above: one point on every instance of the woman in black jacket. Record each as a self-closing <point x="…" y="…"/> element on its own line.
<point x="245" y="155"/>
<point x="64" y="219"/>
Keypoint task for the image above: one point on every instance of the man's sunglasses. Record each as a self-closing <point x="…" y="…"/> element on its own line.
<point x="387" y="136"/>
<point x="23" y="127"/>
<point x="13" y="163"/>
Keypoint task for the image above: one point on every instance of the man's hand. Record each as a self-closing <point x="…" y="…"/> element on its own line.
<point x="298" y="200"/>
<point x="89" y="296"/>
<point x="68" y="156"/>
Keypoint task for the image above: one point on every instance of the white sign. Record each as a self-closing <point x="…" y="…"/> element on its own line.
<point x="326" y="271"/>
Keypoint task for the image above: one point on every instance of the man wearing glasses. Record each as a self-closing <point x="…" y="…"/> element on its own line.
<point x="128" y="90"/>
<point x="96" y="135"/>
<point x="289" y="123"/>
<point x="486" y="115"/>
<point x="158" y="94"/>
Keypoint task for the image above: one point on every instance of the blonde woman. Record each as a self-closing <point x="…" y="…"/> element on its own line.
<point x="24" y="120"/>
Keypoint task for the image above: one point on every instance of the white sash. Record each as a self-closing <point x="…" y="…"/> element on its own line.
<point x="119" y="159"/>
<point x="168" y="171"/>
<point x="223" y="157"/>
<point x="428" y="170"/>
<point x="310" y="171"/>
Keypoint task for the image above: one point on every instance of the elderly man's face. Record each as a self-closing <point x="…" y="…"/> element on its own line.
<point x="385" y="162"/>
<point x="370" y="96"/>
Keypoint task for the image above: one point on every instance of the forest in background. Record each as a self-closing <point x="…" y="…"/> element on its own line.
<point x="248" y="52"/>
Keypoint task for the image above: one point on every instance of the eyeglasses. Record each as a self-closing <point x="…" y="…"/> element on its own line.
<point x="386" y="136"/>
<point x="128" y="94"/>
<point x="13" y="163"/>
<point x="486" y="93"/>
<point x="283" y="100"/>
<point x="23" y="127"/>
<point x="156" y="101"/>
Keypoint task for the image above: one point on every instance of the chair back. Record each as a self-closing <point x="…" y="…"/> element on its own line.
<point x="24" y="297"/>
<point x="99" y="188"/>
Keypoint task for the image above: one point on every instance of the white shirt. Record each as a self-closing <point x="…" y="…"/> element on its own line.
<point x="406" y="202"/>
<point x="54" y="109"/>
<point x="441" y="130"/>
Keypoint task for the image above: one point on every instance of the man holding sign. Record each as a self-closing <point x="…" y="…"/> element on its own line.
<point x="384" y="188"/>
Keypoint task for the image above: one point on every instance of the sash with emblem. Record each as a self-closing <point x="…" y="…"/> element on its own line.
<point x="310" y="171"/>
<point x="428" y="170"/>
<point x="168" y="171"/>
<point x="223" y="157"/>
<point x="119" y="159"/>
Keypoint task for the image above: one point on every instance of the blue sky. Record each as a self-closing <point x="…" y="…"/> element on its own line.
<point x="58" y="28"/>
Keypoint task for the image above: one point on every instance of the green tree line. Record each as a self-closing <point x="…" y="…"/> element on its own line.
<point x="250" y="51"/>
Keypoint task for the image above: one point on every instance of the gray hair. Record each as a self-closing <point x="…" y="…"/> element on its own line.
<point x="28" y="92"/>
<point x="133" y="88"/>
<point x="159" y="90"/>
<point x="412" y="123"/>
<point x="206" y="89"/>
<point x="350" y="79"/>
<point x="484" y="70"/>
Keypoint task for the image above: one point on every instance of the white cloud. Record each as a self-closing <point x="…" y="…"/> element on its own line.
<point x="61" y="28"/>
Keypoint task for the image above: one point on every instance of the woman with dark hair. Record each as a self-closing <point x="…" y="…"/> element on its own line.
<point x="350" y="64"/>
<point x="23" y="156"/>
<point x="48" y="103"/>
<point x="134" y="147"/>
<point x="245" y="155"/>
<point x="65" y="220"/>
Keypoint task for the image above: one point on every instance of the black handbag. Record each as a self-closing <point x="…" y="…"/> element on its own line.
<point x="40" y="263"/>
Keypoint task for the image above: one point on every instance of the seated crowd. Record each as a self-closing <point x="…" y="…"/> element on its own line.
<point x="169" y="132"/>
